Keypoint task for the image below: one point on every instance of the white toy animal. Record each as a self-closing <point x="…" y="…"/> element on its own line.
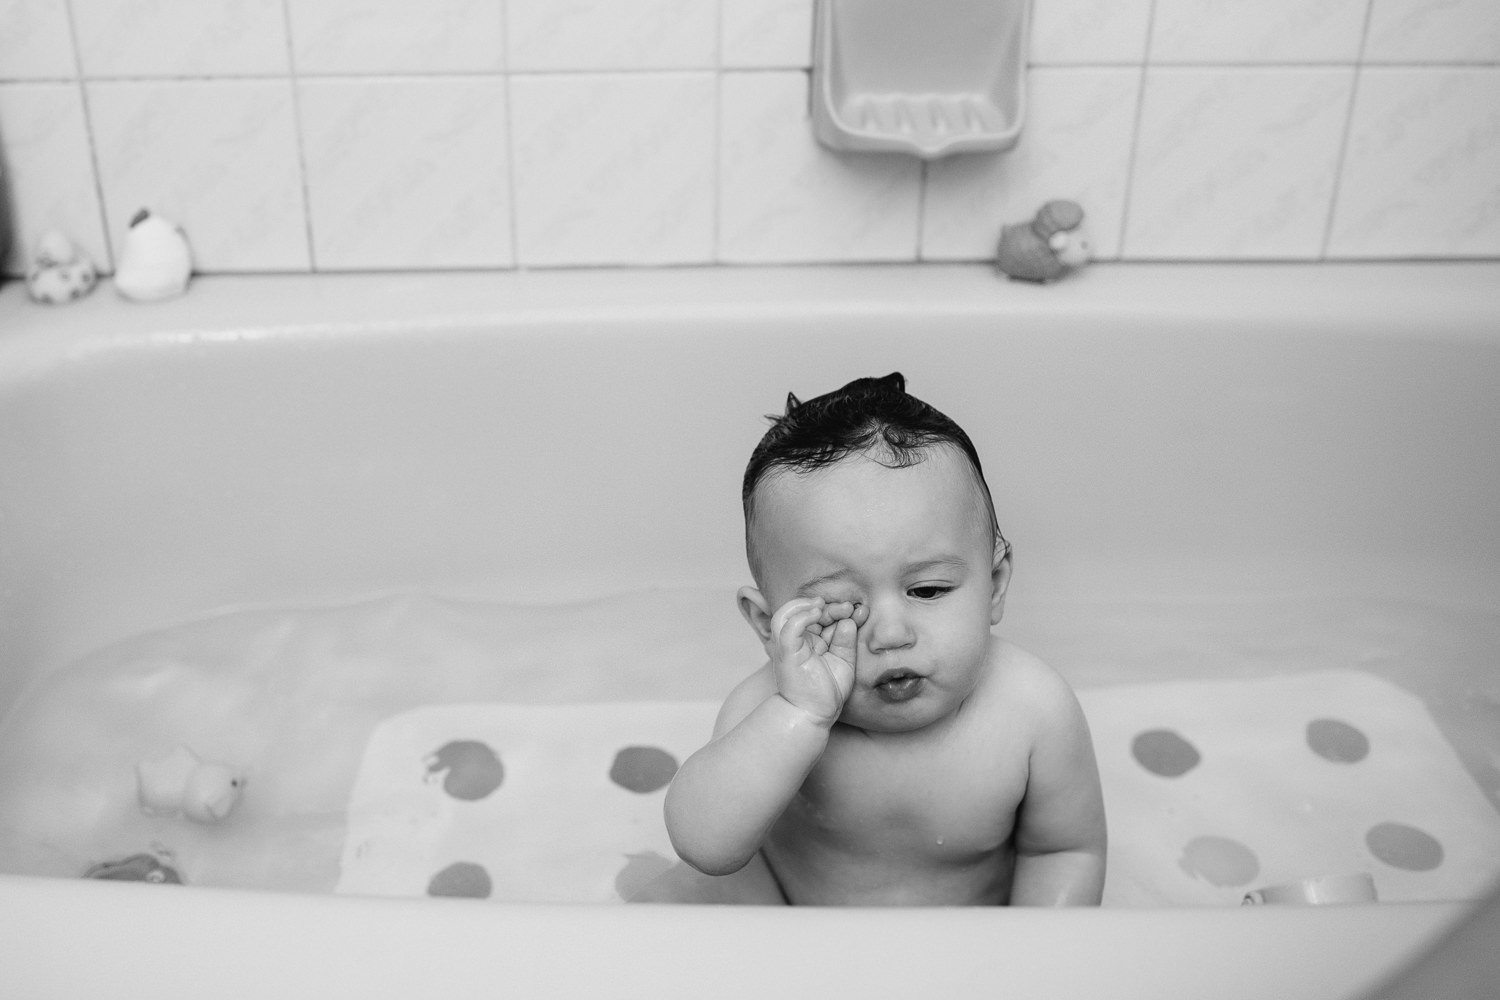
<point x="181" y="783"/>
<point x="155" y="262"/>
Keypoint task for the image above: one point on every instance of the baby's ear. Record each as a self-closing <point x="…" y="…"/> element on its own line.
<point x="757" y="611"/>
<point x="1000" y="579"/>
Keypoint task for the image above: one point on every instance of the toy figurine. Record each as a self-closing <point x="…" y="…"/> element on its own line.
<point x="61" y="272"/>
<point x="137" y="868"/>
<point x="155" y="262"/>
<point x="1047" y="247"/>
<point x="180" y="783"/>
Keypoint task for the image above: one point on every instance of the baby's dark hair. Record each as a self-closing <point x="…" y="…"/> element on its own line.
<point x="868" y="414"/>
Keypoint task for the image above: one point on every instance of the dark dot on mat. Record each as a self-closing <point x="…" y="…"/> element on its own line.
<point x="1337" y="741"/>
<point x="1404" y="847"/>
<point x="1163" y="752"/>
<point x="474" y="770"/>
<point x="643" y="769"/>
<point x="1219" y="860"/>
<point x="462" y="879"/>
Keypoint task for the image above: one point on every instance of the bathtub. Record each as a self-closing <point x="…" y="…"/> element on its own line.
<point x="1182" y="433"/>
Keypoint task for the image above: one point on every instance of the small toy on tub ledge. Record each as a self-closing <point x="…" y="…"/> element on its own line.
<point x="181" y="783"/>
<point x="1047" y="247"/>
<point x="155" y="262"/>
<point x="60" y="272"/>
<point x="156" y="866"/>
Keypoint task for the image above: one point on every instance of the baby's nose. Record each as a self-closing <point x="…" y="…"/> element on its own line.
<point x="886" y="628"/>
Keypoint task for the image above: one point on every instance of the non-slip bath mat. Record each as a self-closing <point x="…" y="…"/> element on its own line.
<point x="1212" y="788"/>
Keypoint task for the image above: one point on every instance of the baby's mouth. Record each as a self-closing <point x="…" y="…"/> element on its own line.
<point x="896" y="686"/>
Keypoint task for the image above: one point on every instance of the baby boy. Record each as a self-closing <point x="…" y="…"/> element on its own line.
<point x="891" y="750"/>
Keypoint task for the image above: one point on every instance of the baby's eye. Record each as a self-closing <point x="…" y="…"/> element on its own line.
<point x="929" y="591"/>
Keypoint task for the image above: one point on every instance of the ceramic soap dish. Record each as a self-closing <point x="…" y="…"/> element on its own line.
<point x="926" y="77"/>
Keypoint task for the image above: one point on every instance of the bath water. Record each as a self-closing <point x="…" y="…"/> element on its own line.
<point x="292" y="695"/>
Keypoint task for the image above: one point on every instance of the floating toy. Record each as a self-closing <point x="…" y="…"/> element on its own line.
<point x="61" y="271"/>
<point x="137" y="868"/>
<point x="1047" y="247"/>
<point x="182" y="784"/>
<point x="155" y="262"/>
<point x="1355" y="888"/>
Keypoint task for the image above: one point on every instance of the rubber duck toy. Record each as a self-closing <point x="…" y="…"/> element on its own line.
<point x="1047" y="247"/>
<point x="155" y="262"/>
<point x="182" y="784"/>
<point x="60" y="272"/>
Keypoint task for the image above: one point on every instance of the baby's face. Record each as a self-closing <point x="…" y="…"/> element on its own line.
<point x="915" y="546"/>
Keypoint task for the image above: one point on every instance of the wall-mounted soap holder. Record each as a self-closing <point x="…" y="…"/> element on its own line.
<point x="927" y="77"/>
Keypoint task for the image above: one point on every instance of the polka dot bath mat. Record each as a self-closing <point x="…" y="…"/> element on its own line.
<point x="524" y="803"/>
<point x="1212" y="788"/>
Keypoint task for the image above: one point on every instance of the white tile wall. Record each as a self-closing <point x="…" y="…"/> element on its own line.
<point x="396" y="36"/>
<point x="560" y="35"/>
<point x="369" y="134"/>
<point x="407" y="173"/>
<point x="1434" y="31"/>
<point x="1257" y="31"/>
<point x="218" y="157"/>
<point x="134" y="38"/>
<point x="766" y="34"/>
<point x="1420" y="175"/>
<point x="1081" y="32"/>
<point x="783" y="197"/>
<point x="36" y="41"/>
<point x="614" y="168"/>
<point x="1237" y="163"/>
<point x="49" y="167"/>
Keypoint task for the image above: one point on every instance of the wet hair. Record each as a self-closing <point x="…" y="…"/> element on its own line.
<point x="876" y="417"/>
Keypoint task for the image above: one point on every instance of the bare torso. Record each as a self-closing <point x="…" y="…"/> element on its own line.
<point x="925" y="817"/>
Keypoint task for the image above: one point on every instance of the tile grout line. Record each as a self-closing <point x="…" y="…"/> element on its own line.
<point x="511" y="176"/>
<point x="1135" y="135"/>
<point x="717" y="255"/>
<point x="305" y="186"/>
<point x="88" y="128"/>
<point x="1341" y="161"/>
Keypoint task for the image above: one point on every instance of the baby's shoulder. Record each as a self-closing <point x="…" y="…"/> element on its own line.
<point x="1020" y="681"/>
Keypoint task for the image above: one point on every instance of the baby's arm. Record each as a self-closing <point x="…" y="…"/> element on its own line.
<point x="771" y="731"/>
<point x="1060" y="829"/>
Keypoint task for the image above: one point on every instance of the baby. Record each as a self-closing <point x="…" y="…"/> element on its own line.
<point x="891" y="750"/>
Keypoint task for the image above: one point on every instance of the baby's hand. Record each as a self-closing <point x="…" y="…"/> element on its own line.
<point x="812" y="651"/>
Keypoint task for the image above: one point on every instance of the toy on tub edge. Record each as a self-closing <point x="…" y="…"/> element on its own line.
<point x="155" y="262"/>
<point x="60" y="272"/>
<point x="1047" y="247"/>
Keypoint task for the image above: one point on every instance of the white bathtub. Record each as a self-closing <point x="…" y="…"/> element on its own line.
<point x="1154" y="431"/>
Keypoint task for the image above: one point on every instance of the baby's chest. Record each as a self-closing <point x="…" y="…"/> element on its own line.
<point x="953" y="799"/>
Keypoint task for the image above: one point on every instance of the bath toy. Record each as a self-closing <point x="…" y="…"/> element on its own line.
<point x="1355" y="888"/>
<point x="155" y="262"/>
<point x="180" y="783"/>
<point x="1047" y="247"/>
<point x="61" y="271"/>
<point x="137" y="868"/>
